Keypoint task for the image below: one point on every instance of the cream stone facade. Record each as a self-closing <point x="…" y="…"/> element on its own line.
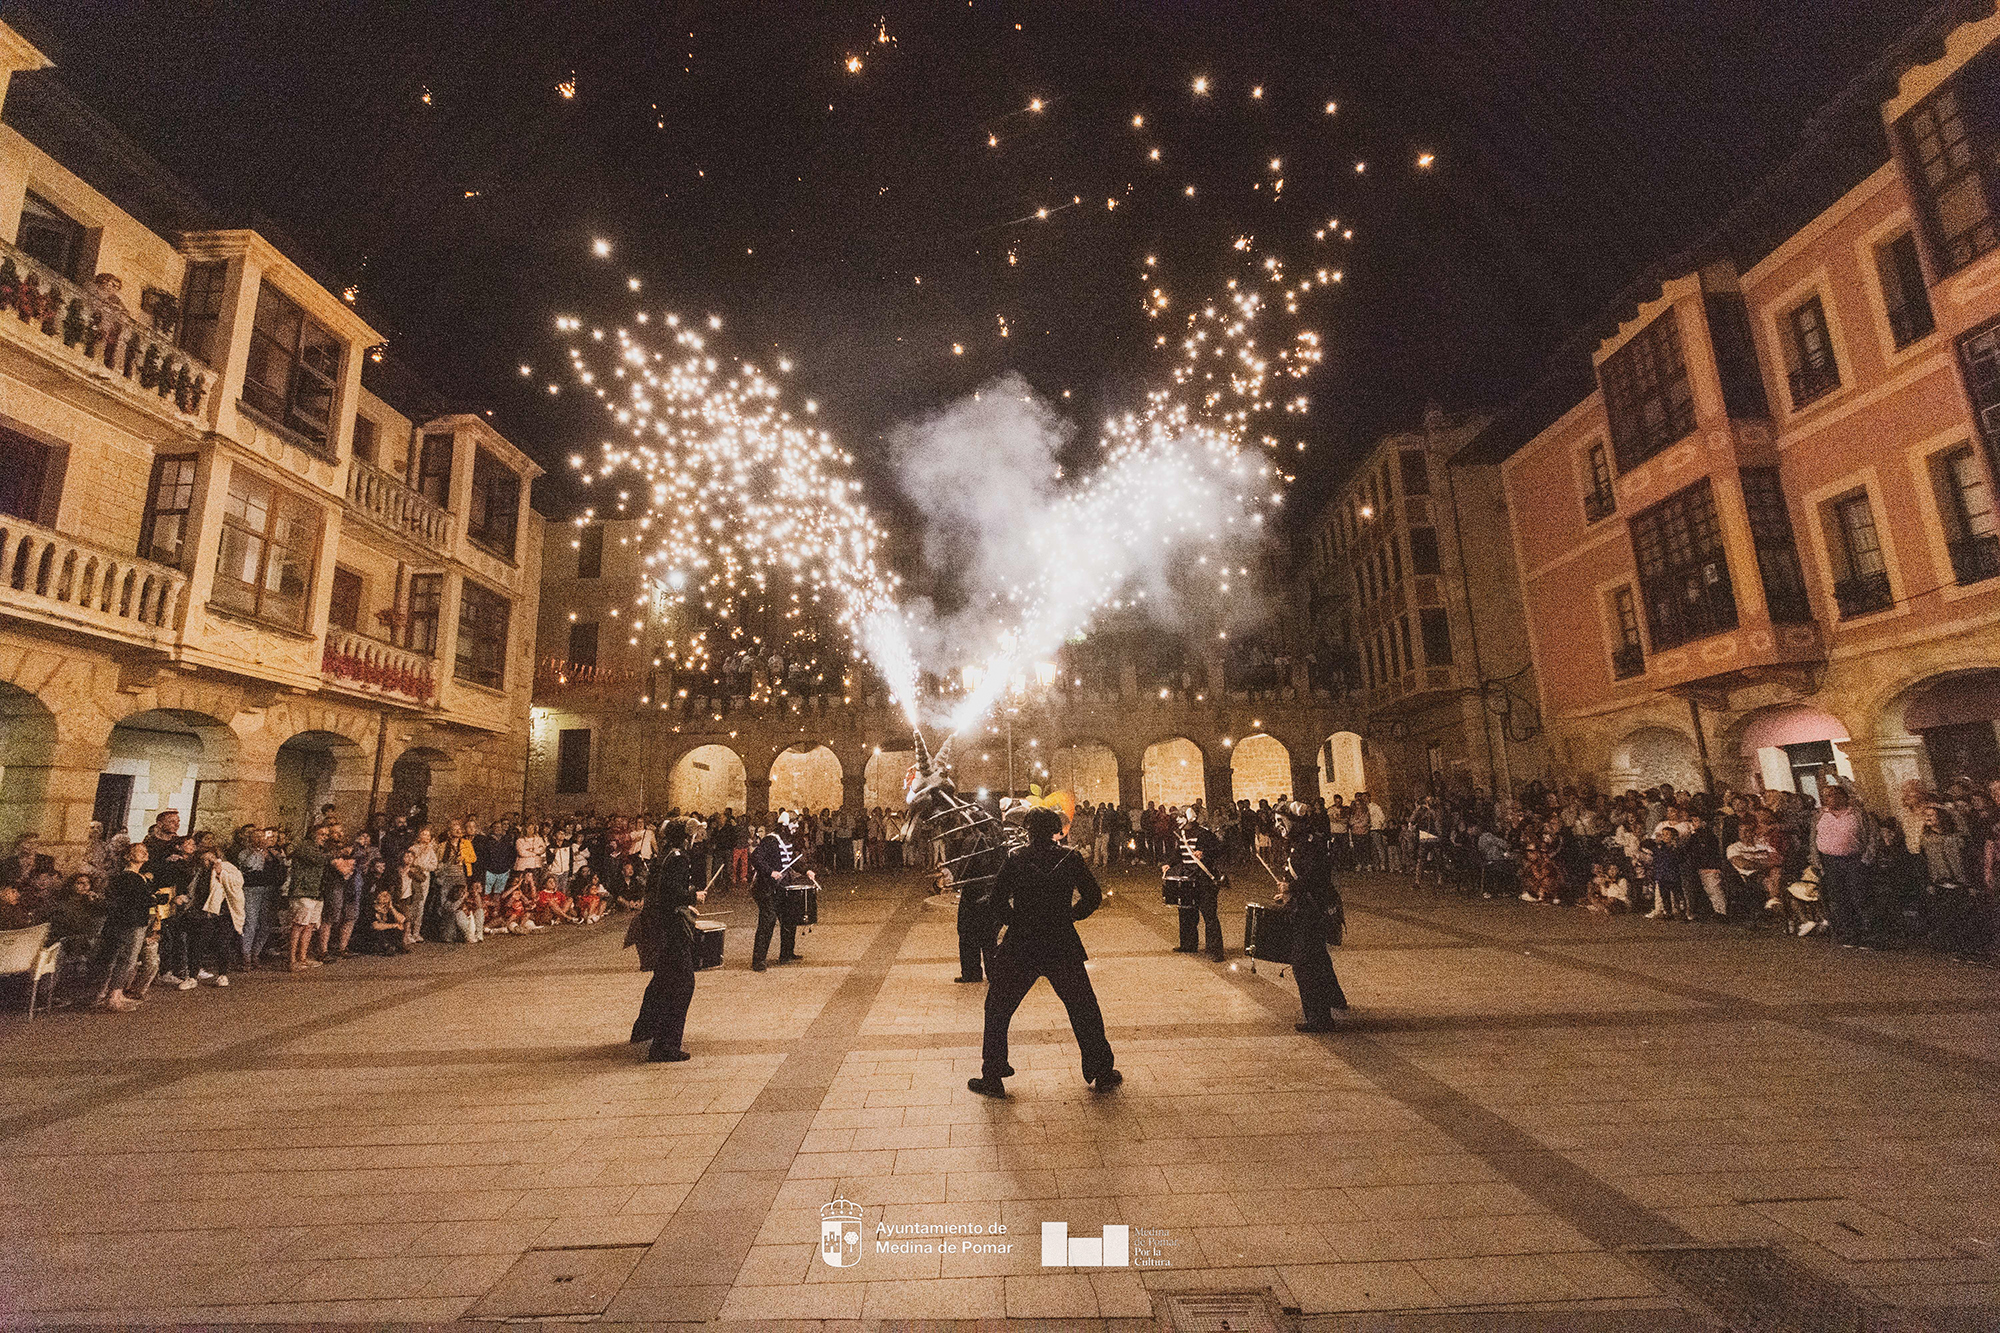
<point x="208" y="601"/>
<point x="614" y="732"/>
<point x="1414" y="603"/>
<point x="1764" y="544"/>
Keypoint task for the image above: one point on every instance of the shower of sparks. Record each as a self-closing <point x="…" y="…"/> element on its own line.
<point x="754" y="532"/>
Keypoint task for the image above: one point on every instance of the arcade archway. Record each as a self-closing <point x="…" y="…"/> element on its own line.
<point x="808" y="780"/>
<point x="1260" y="769"/>
<point x="707" y="781"/>
<point x="1171" y="773"/>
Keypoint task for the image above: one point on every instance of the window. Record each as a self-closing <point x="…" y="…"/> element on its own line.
<point x="1646" y="393"/>
<point x="434" y="470"/>
<point x="1424" y="550"/>
<point x="1965" y="502"/>
<point x="1736" y="356"/>
<point x="1904" y="294"/>
<point x="1777" y="551"/>
<point x="572" y="761"/>
<point x="294" y="364"/>
<point x="495" y="505"/>
<point x="163" y="533"/>
<point x="344" y="610"/>
<point x="1861" y="576"/>
<point x="1600" y="500"/>
<point x="264" y="562"/>
<point x="420" y="629"/>
<point x="31" y="477"/>
<point x="1683" y="574"/>
<point x="1416" y="473"/>
<point x="583" y="643"/>
<point x="482" y="636"/>
<point x="51" y="236"/>
<point x="1628" y="657"/>
<point x="1945" y="137"/>
<point x="364" y="440"/>
<point x="1809" y="366"/>
<point x="1436" y="627"/>
<point x="201" y="309"/>
<point x="1409" y="657"/>
<point x="590" y="552"/>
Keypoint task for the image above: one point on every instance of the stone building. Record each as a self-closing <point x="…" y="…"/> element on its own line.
<point x="1414" y="604"/>
<point x="1754" y="512"/>
<point x="1118" y="717"/>
<point x="235" y="580"/>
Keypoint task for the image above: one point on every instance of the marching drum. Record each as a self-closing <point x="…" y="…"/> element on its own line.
<point x="1176" y="890"/>
<point x="708" y="944"/>
<point x="801" y="905"/>
<point x="1267" y="932"/>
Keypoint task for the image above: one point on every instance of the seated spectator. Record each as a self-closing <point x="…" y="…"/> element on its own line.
<point x="15" y="914"/>
<point x="383" y="928"/>
<point x="551" y="904"/>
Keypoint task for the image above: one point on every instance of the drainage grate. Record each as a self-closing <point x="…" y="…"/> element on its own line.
<point x="1220" y="1312"/>
<point x="1756" y="1289"/>
<point x="546" y="1284"/>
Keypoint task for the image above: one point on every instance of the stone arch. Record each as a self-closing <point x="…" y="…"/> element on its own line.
<point x="1086" y="768"/>
<point x="422" y="780"/>
<point x="882" y="778"/>
<point x="1172" y="772"/>
<point x="1260" y="769"/>
<point x="806" y="779"/>
<point x="1651" y="755"/>
<point x="1343" y="766"/>
<point x="708" y="779"/>
<point x="1944" y="726"/>
<point x="1783" y="747"/>
<point x="28" y="749"/>
<point x="314" y="768"/>
<point x="171" y="759"/>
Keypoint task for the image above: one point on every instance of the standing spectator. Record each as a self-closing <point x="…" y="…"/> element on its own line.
<point x="304" y="889"/>
<point x="1842" y="844"/>
<point x="130" y="944"/>
<point x="217" y="911"/>
<point x="263" y="880"/>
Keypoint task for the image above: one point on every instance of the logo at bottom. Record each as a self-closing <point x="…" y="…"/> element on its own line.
<point x="1062" y="1250"/>
<point x="840" y="1233"/>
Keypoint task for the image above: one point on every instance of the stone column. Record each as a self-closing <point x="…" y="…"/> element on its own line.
<point x="853" y="789"/>
<point x="756" y="796"/>
<point x="1131" y="785"/>
<point x="1881" y="765"/>
<point x="53" y="801"/>
<point x="1305" y="779"/>
<point x="1218" y="787"/>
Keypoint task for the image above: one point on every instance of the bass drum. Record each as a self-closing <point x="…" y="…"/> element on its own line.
<point x="1267" y="932"/>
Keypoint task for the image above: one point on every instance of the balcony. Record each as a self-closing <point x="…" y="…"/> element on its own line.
<point x="1975" y="558"/>
<point x="58" y="580"/>
<point x="368" y="666"/>
<point x="1599" y="504"/>
<point x="98" y="337"/>
<point x="1864" y="594"/>
<point x="1628" y="660"/>
<point x="388" y="502"/>
<point x="1811" y="382"/>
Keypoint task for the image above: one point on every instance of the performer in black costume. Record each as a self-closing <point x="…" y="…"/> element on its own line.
<point x="1200" y="854"/>
<point x="772" y="866"/>
<point x="1310" y="895"/>
<point x="663" y="930"/>
<point x="977" y="930"/>
<point x="1042" y="892"/>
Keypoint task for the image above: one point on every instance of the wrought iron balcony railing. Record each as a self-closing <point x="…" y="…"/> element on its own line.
<point x="1862" y="595"/>
<point x="1975" y="558"/>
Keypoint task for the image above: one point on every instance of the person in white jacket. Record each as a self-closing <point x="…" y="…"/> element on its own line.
<point x="225" y="895"/>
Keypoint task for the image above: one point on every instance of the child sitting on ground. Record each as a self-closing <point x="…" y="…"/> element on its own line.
<point x="1610" y="891"/>
<point x="551" y="903"/>
<point x="384" y="926"/>
<point x="590" y="900"/>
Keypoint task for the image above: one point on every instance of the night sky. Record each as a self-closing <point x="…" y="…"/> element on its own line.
<point x="740" y="168"/>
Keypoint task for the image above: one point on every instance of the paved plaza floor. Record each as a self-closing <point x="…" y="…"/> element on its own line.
<point x="1530" y="1119"/>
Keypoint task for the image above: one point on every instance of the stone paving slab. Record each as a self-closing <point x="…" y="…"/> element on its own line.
<point x="1517" y="1096"/>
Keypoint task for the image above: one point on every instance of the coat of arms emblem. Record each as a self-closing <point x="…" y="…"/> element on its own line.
<point x="840" y="1233"/>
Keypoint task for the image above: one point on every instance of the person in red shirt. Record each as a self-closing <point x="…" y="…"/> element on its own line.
<point x="552" y="904"/>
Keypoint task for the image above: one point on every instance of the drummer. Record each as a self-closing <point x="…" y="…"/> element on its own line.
<point x="1309" y="893"/>
<point x="774" y="864"/>
<point x="1199" y="855"/>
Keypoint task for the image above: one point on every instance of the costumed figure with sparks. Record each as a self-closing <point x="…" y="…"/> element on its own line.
<point x="773" y="865"/>
<point x="1042" y="891"/>
<point x="975" y="840"/>
<point x="1308" y="893"/>
<point x="1193" y="883"/>
<point x="664" y="933"/>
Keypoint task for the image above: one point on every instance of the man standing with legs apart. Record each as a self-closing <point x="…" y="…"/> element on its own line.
<point x="664" y="934"/>
<point x="1310" y="894"/>
<point x="1042" y="892"/>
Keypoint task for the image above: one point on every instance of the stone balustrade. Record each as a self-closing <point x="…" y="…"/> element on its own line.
<point x="55" y="578"/>
<point x="400" y="508"/>
<point x="362" y="665"/>
<point x="96" y="335"/>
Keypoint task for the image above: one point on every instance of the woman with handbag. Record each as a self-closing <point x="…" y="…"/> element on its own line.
<point x="663" y="931"/>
